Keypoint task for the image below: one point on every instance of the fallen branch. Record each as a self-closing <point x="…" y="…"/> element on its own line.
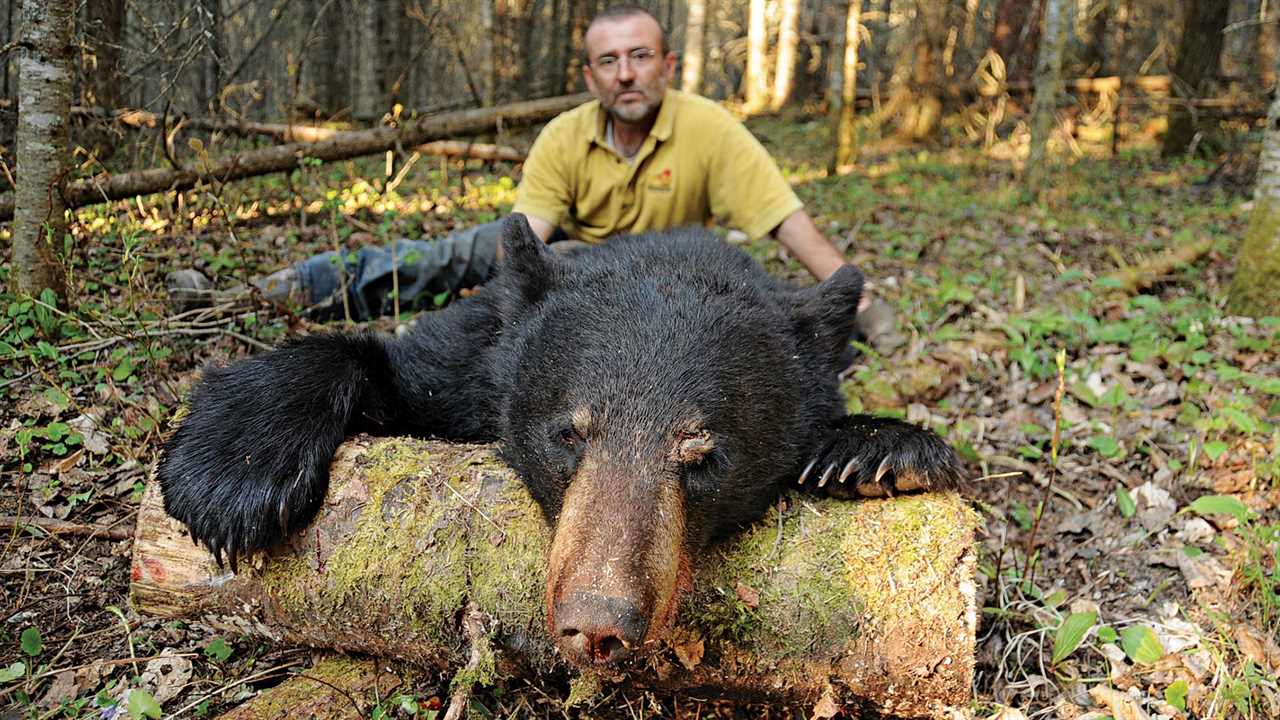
<point x="282" y="158"/>
<point x="876" y="598"/>
<point x="1135" y="278"/>
<point x="54" y="526"/>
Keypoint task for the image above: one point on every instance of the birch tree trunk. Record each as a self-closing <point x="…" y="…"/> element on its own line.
<point x="44" y="102"/>
<point x="1255" y="289"/>
<point x="1048" y="80"/>
<point x="1197" y="62"/>
<point x="784" y="77"/>
<point x="757" y="47"/>
<point x="691" y="73"/>
<point x="846" y="150"/>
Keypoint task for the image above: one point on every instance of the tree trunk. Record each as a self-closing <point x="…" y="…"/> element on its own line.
<point x="101" y="73"/>
<point x="1193" y="72"/>
<point x="1017" y="35"/>
<point x="1048" y="81"/>
<point x="1095" y="52"/>
<point x="369" y="101"/>
<point x="44" y="103"/>
<point x="785" y="70"/>
<point x="326" y="66"/>
<point x="213" y="70"/>
<point x="920" y="102"/>
<point x="1255" y="288"/>
<point x="873" y="600"/>
<point x="488" y="49"/>
<point x="757" y="79"/>
<point x="695" y="22"/>
<point x="846" y="145"/>
<point x="284" y="158"/>
<point x="104" y="34"/>
<point x="1244" y="45"/>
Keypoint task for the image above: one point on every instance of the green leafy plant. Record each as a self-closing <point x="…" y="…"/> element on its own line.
<point x="1071" y="633"/>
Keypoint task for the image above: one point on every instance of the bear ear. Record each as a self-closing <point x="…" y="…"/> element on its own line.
<point x="527" y="258"/>
<point x="825" y="313"/>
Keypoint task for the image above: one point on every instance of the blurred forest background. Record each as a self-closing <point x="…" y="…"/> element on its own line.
<point x="1071" y="206"/>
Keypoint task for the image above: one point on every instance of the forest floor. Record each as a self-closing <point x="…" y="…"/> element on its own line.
<point x="1152" y="516"/>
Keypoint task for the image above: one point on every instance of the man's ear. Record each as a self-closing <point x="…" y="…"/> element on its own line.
<point x="590" y="79"/>
<point x="670" y="62"/>
<point x="527" y="258"/>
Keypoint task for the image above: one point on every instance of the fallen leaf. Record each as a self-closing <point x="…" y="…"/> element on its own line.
<point x="1177" y="635"/>
<point x="748" y="595"/>
<point x="1203" y="571"/>
<point x="1198" y="663"/>
<point x="1122" y="706"/>
<point x="95" y="441"/>
<point x="1155" y="506"/>
<point x="1007" y="713"/>
<point x="827" y="707"/>
<point x="1196" y="531"/>
<point x="1258" y="647"/>
<point x="66" y="685"/>
<point x="690" y="653"/>
<point x="168" y="675"/>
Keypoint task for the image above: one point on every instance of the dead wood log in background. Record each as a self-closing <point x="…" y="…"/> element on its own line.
<point x="874" y="599"/>
<point x="1133" y="279"/>
<point x="283" y="158"/>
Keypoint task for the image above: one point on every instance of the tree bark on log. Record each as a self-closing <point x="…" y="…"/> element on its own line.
<point x="104" y="188"/>
<point x="871" y="601"/>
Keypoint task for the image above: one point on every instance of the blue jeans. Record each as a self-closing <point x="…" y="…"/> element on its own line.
<point x="425" y="269"/>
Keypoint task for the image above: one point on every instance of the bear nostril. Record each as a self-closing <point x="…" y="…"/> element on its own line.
<point x="597" y="648"/>
<point x="607" y="649"/>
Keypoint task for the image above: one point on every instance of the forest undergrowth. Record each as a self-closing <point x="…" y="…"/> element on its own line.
<point x="1127" y="438"/>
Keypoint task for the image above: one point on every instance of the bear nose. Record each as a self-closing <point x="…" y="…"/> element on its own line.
<point x="598" y="630"/>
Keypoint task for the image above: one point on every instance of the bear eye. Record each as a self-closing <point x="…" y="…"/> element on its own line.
<point x="571" y="437"/>
<point x="693" y="446"/>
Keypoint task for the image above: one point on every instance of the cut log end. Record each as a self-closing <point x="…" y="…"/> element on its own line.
<point x="874" y="599"/>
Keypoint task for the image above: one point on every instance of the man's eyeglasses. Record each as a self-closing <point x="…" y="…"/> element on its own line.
<point x="639" y="58"/>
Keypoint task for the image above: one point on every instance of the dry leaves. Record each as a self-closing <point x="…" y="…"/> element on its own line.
<point x="1123" y="706"/>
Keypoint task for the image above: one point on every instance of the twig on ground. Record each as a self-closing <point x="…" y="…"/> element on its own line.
<point x="54" y="526"/>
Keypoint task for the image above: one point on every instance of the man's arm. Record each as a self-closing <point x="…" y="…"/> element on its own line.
<point x="802" y="239"/>
<point x="542" y="228"/>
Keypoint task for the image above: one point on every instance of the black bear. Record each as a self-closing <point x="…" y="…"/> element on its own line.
<point x="653" y="393"/>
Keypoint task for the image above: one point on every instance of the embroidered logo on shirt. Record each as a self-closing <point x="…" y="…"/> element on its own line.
<point x="661" y="181"/>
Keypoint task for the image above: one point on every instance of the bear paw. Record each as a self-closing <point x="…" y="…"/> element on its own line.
<point x="868" y="456"/>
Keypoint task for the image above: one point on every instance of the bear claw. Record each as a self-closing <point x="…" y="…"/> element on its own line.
<point x="879" y="457"/>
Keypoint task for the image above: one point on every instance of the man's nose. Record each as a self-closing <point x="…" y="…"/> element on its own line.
<point x="625" y="72"/>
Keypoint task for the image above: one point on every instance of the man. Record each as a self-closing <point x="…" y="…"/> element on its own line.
<point x="640" y="157"/>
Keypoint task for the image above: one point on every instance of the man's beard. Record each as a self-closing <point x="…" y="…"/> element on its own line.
<point x="634" y="112"/>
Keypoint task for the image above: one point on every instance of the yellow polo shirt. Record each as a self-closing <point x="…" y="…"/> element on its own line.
<point x="698" y="163"/>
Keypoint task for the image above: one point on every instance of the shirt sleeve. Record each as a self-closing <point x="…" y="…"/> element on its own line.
<point x="545" y="189"/>
<point x="747" y="189"/>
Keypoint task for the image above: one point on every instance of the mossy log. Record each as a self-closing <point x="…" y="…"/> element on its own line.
<point x="872" y="602"/>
